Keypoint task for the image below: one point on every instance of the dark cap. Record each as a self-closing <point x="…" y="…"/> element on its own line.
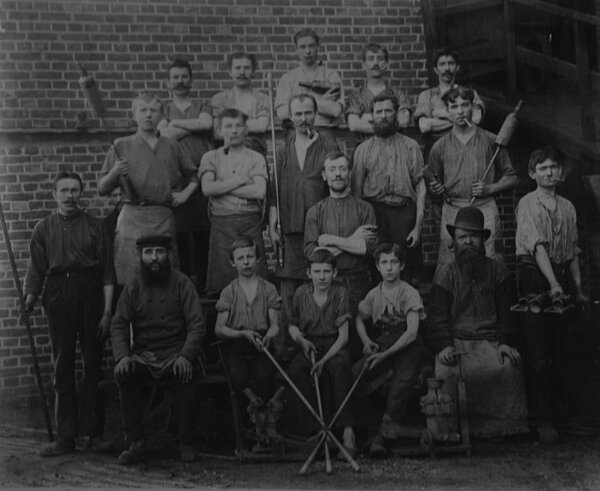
<point x="154" y="241"/>
<point x="471" y="219"/>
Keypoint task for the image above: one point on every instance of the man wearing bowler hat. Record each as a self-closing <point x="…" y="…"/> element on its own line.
<point x="163" y="309"/>
<point x="471" y="328"/>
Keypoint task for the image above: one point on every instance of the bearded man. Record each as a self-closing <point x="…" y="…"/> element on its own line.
<point x="471" y="328"/>
<point x="388" y="173"/>
<point x="164" y="311"/>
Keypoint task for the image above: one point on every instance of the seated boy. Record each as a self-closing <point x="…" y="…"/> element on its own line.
<point x="247" y="319"/>
<point x="319" y="324"/>
<point x="395" y="309"/>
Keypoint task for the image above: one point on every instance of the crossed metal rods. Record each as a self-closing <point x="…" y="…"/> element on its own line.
<point x="325" y="431"/>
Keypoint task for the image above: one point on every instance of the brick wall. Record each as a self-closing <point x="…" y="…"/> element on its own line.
<point x="126" y="45"/>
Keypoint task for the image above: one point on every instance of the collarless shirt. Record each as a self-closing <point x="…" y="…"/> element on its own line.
<point x="387" y="167"/>
<point x="248" y="315"/>
<point x="340" y="217"/>
<point x="154" y="172"/>
<point x="225" y="165"/>
<point x="555" y="227"/>
<point x="197" y="143"/>
<point x="320" y="320"/>
<point x="459" y="163"/>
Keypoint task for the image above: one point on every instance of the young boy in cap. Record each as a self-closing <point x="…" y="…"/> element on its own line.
<point x="395" y="309"/>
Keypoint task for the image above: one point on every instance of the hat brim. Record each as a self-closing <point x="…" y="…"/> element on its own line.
<point x="486" y="232"/>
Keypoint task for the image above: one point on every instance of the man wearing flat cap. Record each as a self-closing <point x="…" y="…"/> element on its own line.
<point x="163" y="309"/>
<point x="471" y="327"/>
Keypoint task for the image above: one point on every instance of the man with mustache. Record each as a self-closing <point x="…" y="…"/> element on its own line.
<point x="460" y="159"/>
<point x="189" y="121"/>
<point x="471" y="325"/>
<point x="156" y="335"/>
<point x="359" y="115"/>
<point x="244" y="97"/>
<point x="431" y="114"/>
<point x="328" y="90"/>
<point x="70" y="258"/>
<point x="548" y="257"/>
<point x="388" y="173"/>
<point x="299" y="166"/>
<point x="155" y="176"/>
<point x="344" y="225"/>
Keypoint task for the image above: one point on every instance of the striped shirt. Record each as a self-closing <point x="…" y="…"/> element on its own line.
<point x="68" y="244"/>
<point x="458" y="164"/>
<point x="550" y="221"/>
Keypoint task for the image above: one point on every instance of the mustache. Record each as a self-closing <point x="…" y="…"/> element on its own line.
<point x="181" y="86"/>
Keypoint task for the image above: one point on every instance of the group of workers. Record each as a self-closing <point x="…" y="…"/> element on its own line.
<point x="348" y="232"/>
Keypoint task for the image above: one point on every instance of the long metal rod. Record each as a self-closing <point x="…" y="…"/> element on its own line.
<point x="320" y="406"/>
<point x="487" y="170"/>
<point x="27" y="322"/>
<point x="324" y="427"/>
<point x="279" y="251"/>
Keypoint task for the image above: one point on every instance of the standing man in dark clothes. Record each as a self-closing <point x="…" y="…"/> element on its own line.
<point x="70" y="255"/>
<point x="161" y="310"/>
<point x="301" y="185"/>
<point x="189" y="121"/>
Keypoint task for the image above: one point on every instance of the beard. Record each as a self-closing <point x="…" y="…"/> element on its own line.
<point x="158" y="275"/>
<point x="472" y="262"/>
<point x="385" y="129"/>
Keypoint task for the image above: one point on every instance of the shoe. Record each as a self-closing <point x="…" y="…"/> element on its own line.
<point x="187" y="453"/>
<point x="547" y="435"/>
<point x="97" y="444"/>
<point x="378" y="449"/>
<point x="61" y="446"/>
<point x="134" y="454"/>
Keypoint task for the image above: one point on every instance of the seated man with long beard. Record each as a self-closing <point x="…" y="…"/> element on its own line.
<point x="471" y="327"/>
<point x="163" y="309"/>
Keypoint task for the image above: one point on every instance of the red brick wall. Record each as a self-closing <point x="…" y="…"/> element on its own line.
<point x="126" y="45"/>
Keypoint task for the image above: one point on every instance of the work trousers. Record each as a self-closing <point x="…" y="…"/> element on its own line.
<point x="242" y="362"/>
<point x="546" y="348"/>
<point x="335" y="382"/>
<point x="74" y="304"/>
<point x="405" y="366"/>
<point x="132" y="394"/>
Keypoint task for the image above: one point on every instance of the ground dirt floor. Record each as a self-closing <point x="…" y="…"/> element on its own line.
<point x="572" y="465"/>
